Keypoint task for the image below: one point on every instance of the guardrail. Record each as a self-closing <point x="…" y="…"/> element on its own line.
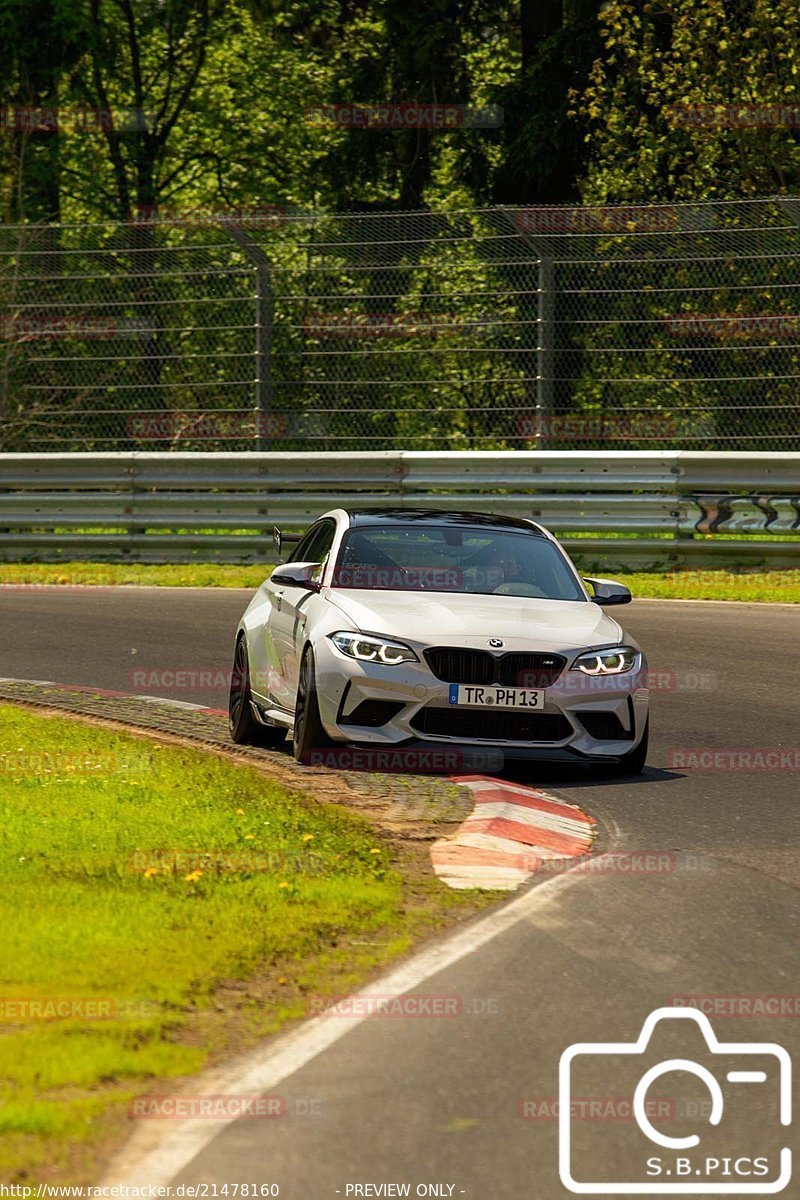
<point x="617" y="508"/>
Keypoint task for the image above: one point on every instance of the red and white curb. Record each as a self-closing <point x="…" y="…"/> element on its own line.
<point x="511" y="832"/>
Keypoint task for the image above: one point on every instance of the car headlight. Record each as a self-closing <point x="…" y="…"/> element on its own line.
<point x="606" y="662"/>
<point x="373" y="649"/>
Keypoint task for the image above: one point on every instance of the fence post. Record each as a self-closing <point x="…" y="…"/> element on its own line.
<point x="545" y="331"/>
<point x="263" y="346"/>
<point x="544" y="351"/>
<point x="264" y="427"/>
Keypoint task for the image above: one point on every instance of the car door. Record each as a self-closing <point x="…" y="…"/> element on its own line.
<point x="287" y="617"/>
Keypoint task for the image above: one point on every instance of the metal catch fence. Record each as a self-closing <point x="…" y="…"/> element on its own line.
<point x="638" y="327"/>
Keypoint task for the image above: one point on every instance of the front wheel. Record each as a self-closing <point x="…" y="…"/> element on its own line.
<point x="245" y="730"/>
<point x="309" y="733"/>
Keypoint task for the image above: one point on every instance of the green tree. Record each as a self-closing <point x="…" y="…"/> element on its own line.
<point x="543" y="153"/>
<point x="145" y="58"/>
<point x="685" y="101"/>
<point x="40" y="42"/>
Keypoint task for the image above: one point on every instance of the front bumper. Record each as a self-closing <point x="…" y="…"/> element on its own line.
<point x="577" y="707"/>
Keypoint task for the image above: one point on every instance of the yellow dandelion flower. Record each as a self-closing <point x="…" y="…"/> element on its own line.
<point x="375" y="850"/>
<point x="308" y="837"/>
<point x="193" y="876"/>
<point x="240" y="812"/>
<point x="150" y="872"/>
<point x="248" y="837"/>
<point x="283" y="885"/>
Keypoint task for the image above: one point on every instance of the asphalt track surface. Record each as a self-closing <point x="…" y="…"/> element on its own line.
<point x="450" y="1101"/>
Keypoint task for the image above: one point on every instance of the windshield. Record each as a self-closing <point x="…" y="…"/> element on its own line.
<point x="445" y="558"/>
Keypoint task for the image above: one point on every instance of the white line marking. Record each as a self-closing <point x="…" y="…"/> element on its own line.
<point x="38" y="682"/>
<point x="167" y="700"/>
<point x="490" y="879"/>
<point x="264" y="1070"/>
<point x="729" y="603"/>
<point x="114" y="695"/>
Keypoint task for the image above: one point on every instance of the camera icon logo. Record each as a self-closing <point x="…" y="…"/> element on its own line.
<point x="752" y="1081"/>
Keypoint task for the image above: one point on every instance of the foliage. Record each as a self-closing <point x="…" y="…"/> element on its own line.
<point x="607" y="101"/>
<point x="694" y="99"/>
<point x="619" y="102"/>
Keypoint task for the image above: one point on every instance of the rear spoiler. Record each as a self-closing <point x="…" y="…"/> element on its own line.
<point x="278" y="538"/>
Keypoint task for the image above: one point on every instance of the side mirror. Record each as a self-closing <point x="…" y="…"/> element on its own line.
<point x="297" y="574"/>
<point x="607" y="591"/>
<point x="281" y="539"/>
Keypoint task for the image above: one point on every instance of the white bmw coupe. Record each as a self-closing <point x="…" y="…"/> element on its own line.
<point x="420" y="629"/>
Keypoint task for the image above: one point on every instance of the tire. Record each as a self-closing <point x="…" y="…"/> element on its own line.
<point x="309" y="733"/>
<point x="244" y="728"/>
<point x="634" y="762"/>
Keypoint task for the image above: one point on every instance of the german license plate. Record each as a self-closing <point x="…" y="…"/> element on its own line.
<point x="469" y="695"/>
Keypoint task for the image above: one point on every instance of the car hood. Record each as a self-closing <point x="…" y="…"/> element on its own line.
<point x="455" y="619"/>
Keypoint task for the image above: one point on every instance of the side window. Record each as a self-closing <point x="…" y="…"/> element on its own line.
<point x="299" y="552"/>
<point x="316" y="545"/>
<point x="321" y="546"/>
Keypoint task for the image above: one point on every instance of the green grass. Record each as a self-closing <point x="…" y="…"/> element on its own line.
<point x="759" y="585"/>
<point x="98" y="574"/>
<point x="290" y="895"/>
<point x="776" y="587"/>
